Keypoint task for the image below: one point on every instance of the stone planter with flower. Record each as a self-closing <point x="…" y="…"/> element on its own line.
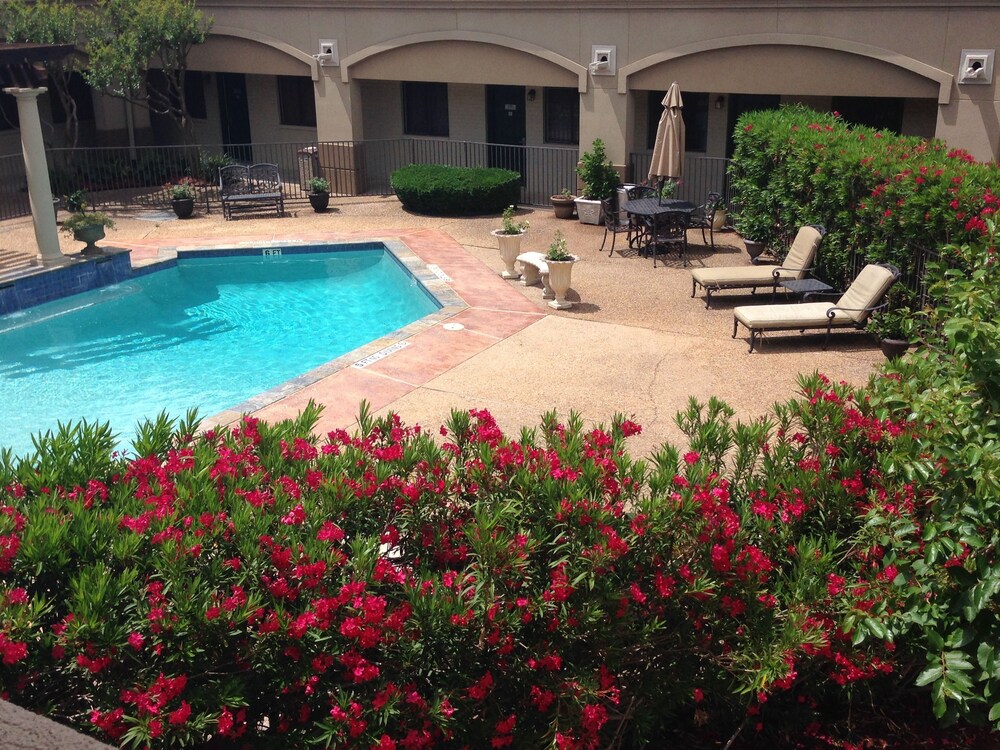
<point x="182" y="196"/>
<point x="599" y="178"/>
<point x="560" y="264"/>
<point x="894" y="327"/>
<point x="509" y="241"/>
<point x="319" y="193"/>
<point x="88" y="227"/>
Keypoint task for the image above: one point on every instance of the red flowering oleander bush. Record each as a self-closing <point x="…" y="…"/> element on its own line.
<point x="881" y="196"/>
<point x="260" y="587"/>
<point x="949" y="389"/>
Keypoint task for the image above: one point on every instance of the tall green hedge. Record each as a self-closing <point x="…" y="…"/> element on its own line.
<point x="881" y="196"/>
<point x="441" y="190"/>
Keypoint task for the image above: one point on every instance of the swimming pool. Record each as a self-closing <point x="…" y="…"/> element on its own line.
<point x="210" y="331"/>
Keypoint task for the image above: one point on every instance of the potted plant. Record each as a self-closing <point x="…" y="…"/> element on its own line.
<point x="754" y="230"/>
<point x="563" y="204"/>
<point x="319" y="193"/>
<point x="894" y="325"/>
<point x="719" y="220"/>
<point x="599" y="178"/>
<point x="182" y="197"/>
<point x="509" y="241"/>
<point x="560" y="264"/>
<point x="89" y="228"/>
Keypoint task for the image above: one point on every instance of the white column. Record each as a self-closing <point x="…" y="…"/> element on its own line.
<point x="36" y="168"/>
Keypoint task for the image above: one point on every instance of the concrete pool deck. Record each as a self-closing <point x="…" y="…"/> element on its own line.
<point x="634" y="342"/>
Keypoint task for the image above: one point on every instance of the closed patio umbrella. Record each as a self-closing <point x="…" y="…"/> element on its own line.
<point x="668" y="150"/>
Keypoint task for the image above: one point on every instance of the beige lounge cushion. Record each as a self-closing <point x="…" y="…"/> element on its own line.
<point x="799" y="259"/>
<point x="739" y="276"/>
<point x="803" y="250"/>
<point x="802" y="314"/>
<point x="866" y="290"/>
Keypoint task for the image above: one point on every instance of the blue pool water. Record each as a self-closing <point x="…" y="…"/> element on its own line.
<point x="207" y="333"/>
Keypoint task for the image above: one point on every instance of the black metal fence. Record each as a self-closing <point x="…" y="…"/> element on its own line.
<point x="702" y="174"/>
<point x="13" y="188"/>
<point x="544" y="171"/>
<point x="124" y="177"/>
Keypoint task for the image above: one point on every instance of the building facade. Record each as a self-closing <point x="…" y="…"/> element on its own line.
<point x="560" y="74"/>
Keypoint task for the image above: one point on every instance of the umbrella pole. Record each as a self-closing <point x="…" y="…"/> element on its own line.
<point x="659" y="192"/>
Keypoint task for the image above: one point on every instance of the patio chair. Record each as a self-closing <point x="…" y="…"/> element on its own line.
<point x="642" y="227"/>
<point x="704" y="217"/>
<point x="613" y="223"/>
<point x="798" y="262"/>
<point x="669" y="231"/>
<point x="863" y="296"/>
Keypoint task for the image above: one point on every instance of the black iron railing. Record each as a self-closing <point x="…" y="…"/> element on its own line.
<point x="124" y="177"/>
<point x="13" y="188"/>
<point x="702" y="175"/>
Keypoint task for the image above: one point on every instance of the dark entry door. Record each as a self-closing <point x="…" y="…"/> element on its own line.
<point x="235" y="115"/>
<point x="505" y="127"/>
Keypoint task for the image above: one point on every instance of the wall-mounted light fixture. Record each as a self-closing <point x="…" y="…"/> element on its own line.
<point x="720" y="102"/>
<point x="531" y="95"/>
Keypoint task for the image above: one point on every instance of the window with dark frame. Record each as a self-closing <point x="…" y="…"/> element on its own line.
<point x="194" y="93"/>
<point x="425" y="108"/>
<point x="80" y="93"/>
<point x="296" y="101"/>
<point x="695" y="119"/>
<point x="562" y="116"/>
<point x="881" y="113"/>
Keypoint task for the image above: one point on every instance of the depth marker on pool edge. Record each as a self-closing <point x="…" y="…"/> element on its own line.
<point x="380" y="354"/>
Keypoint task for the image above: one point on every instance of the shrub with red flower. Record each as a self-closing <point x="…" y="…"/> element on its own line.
<point x="382" y="590"/>
<point x="881" y="196"/>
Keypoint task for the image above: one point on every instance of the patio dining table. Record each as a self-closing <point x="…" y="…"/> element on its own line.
<point x="647" y="209"/>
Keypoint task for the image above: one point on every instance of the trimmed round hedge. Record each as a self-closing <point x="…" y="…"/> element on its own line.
<point x="440" y="190"/>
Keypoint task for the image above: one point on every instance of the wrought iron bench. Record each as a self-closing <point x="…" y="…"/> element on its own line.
<point x="247" y="188"/>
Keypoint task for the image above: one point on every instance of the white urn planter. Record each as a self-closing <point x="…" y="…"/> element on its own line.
<point x="589" y="211"/>
<point x="560" y="279"/>
<point x="510" y="248"/>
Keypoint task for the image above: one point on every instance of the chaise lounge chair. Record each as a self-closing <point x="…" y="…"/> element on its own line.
<point x="797" y="264"/>
<point x="864" y="295"/>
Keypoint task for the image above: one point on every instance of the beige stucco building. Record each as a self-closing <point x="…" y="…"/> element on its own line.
<point x="560" y="74"/>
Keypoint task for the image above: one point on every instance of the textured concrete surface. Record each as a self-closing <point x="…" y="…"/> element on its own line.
<point x="635" y="342"/>
<point x="23" y="730"/>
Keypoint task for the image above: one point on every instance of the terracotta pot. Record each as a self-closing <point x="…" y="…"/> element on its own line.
<point x="893" y="348"/>
<point x="183" y="207"/>
<point x="563" y="206"/>
<point x="560" y="279"/>
<point x="319" y="201"/>
<point x="510" y="247"/>
<point x="90" y="235"/>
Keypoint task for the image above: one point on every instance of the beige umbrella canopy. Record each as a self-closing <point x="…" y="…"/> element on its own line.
<point x="668" y="150"/>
